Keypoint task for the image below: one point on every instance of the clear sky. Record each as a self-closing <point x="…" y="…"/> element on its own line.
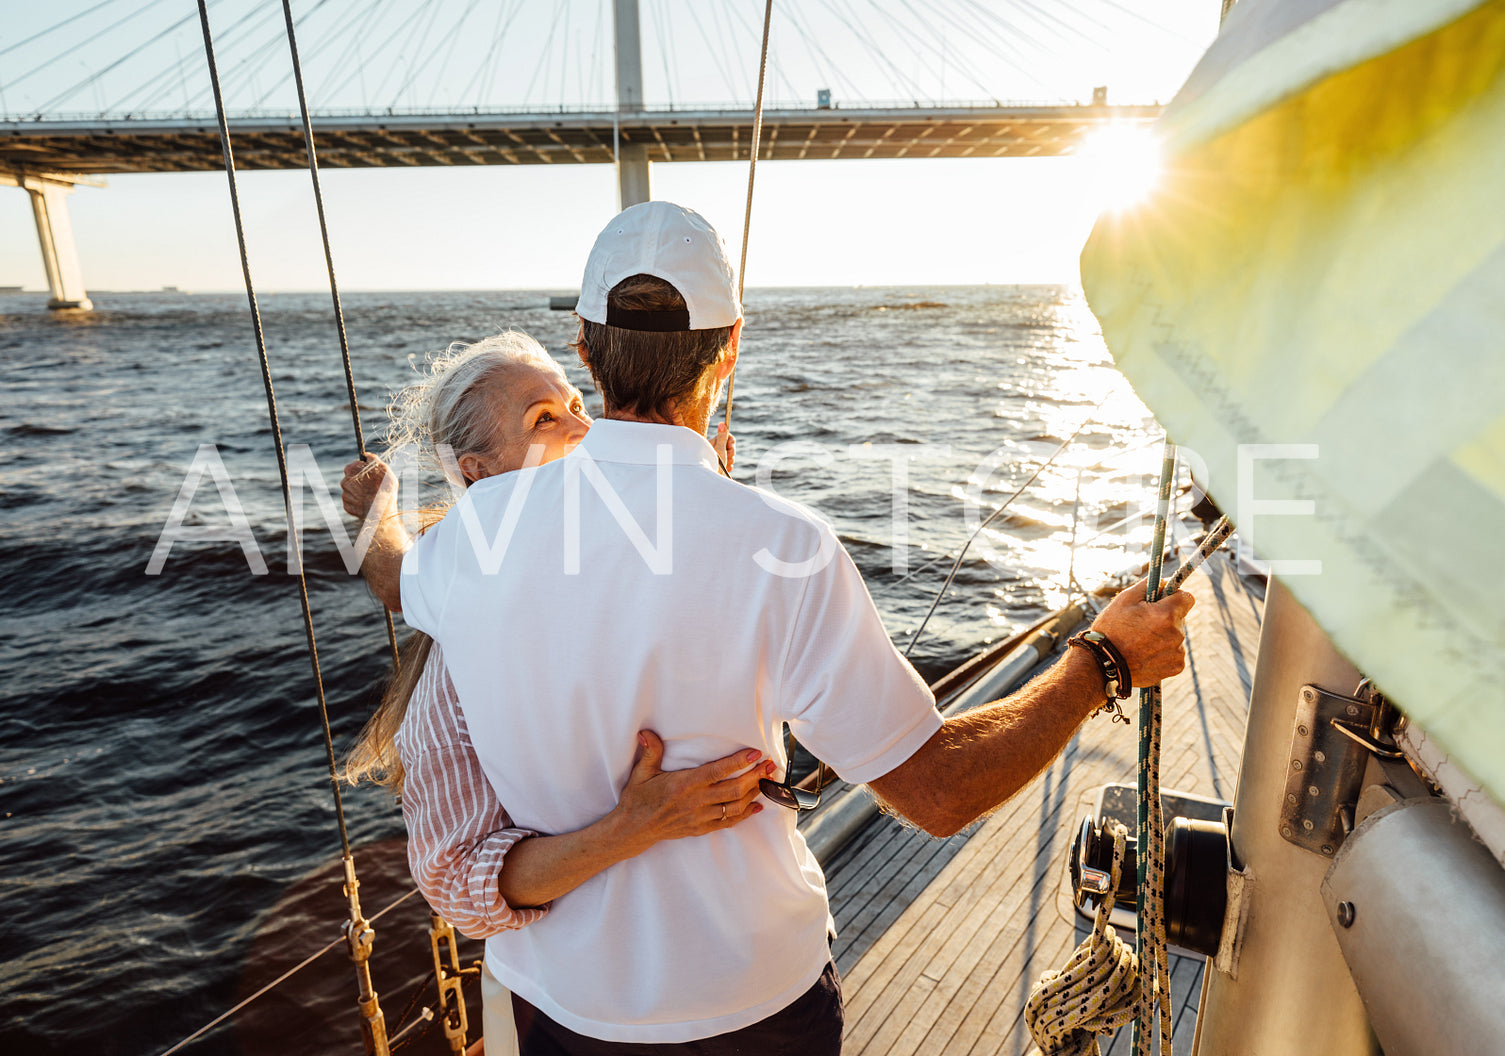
<point x="815" y="223"/>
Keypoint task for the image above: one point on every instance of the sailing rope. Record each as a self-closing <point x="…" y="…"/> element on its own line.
<point x="1149" y="900"/>
<point x="752" y="171"/>
<point x="334" y="286"/>
<point x="1098" y="990"/>
<point x="1102" y="988"/>
<point x="358" y="933"/>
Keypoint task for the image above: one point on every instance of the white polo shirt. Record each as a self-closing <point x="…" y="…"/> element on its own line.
<point x="629" y="586"/>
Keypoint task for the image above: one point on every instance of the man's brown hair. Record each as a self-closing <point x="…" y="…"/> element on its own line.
<point x="646" y="373"/>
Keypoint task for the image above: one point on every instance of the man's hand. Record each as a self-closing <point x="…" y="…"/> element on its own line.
<point x="369" y="484"/>
<point x="726" y="447"/>
<point x="1150" y="635"/>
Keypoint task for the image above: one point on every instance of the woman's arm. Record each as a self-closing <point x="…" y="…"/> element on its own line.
<point x="473" y="867"/>
<point x="368" y="491"/>
<point x="458" y="837"/>
<point x="655" y="806"/>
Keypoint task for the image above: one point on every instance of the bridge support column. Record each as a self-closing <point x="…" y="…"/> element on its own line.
<point x="633" y="181"/>
<point x="65" y="280"/>
<point x="633" y="184"/>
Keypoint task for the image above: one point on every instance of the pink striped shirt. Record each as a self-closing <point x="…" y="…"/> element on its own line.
<point x="458" y="832"/>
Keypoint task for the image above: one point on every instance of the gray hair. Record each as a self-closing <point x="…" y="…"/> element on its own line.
<point x="446" y="406"/>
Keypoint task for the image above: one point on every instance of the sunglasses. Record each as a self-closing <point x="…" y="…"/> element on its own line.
<point x="786" y="794"/>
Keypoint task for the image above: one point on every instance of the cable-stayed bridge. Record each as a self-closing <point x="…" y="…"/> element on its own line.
<point x="362" y="139"/>
<point x="155" y="119"/>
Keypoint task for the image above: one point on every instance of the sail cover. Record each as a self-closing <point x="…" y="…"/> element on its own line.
<point x="1313" y="302"/>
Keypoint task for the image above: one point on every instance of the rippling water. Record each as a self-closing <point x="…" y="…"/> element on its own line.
<point x="166" y="829"/>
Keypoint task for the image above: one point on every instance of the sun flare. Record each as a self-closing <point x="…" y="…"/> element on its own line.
<point x="1121" y="165"/>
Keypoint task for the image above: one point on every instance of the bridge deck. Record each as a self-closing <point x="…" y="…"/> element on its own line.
<point x="182" y="144"/>
<point x="940" y="941"/>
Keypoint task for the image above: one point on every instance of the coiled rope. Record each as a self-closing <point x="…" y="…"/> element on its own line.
<point x="1098" y="990"/>
<point x="359" y="935"/>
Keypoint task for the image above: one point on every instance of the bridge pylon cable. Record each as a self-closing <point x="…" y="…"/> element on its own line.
<point x="160" y="85"/>
<point x="53" y="61"/>
<point x="56" y="26"/>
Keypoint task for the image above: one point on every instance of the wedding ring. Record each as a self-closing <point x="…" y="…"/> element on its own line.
<point x="723" y="812"/>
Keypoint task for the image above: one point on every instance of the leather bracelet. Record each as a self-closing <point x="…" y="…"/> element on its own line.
<point x="1118" y="681"/>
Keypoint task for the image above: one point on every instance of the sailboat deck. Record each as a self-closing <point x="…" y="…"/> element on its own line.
<point x="940" y="941"/>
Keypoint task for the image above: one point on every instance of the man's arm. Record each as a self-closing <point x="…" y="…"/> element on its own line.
<point x="976" y="762"/>
<point x="370" y="488"/>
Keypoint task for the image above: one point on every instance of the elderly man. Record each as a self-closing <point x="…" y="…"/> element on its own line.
<point x="630" y="586"/>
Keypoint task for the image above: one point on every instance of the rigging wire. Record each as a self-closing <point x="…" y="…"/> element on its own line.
<point x="752" y="172"/>
<point x="266" y="377"/>
<point x="358" y="933"/>
<point x="334" y="292"/>
<point x="284" y="977"/>
<point x="956" y="566"/>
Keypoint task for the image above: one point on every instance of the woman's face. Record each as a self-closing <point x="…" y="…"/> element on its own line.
<point x="534" y="406"/>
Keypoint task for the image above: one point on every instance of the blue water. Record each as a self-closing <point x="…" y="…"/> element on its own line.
<point x="166" y="826"/>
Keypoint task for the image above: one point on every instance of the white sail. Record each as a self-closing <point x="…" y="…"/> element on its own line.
<point x="1323" y="265"/>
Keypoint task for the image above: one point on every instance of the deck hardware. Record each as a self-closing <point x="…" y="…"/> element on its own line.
<point x="1239" y="880"/>
<point x="1330" y="743"/>
<point x="1090" y="859"/>
<point x="449" y="975"/>
<point x="1196" y="884"/>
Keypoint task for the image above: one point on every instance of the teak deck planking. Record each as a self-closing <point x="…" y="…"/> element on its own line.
<point x="940" y="941"/>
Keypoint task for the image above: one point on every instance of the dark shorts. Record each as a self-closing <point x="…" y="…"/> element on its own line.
<point x="811" y="1026"/>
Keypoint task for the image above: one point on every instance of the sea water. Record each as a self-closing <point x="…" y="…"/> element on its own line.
<point x="167" y="835"/>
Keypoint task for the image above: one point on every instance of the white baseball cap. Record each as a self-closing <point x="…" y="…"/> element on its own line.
<point x="669" y="242"/>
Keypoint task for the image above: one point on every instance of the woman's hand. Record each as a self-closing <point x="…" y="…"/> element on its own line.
<point x="370" y="487"/>
<point x="661" y="805"/>
<point x="726" y="446"/>
<point x="367" y="484"/>
<point x="655" y="805"/>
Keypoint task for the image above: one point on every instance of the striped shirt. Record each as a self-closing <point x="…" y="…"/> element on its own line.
<point x="458" y="832"/>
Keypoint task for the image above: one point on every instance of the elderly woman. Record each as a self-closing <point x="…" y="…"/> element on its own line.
<point x="483" y="409"/>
